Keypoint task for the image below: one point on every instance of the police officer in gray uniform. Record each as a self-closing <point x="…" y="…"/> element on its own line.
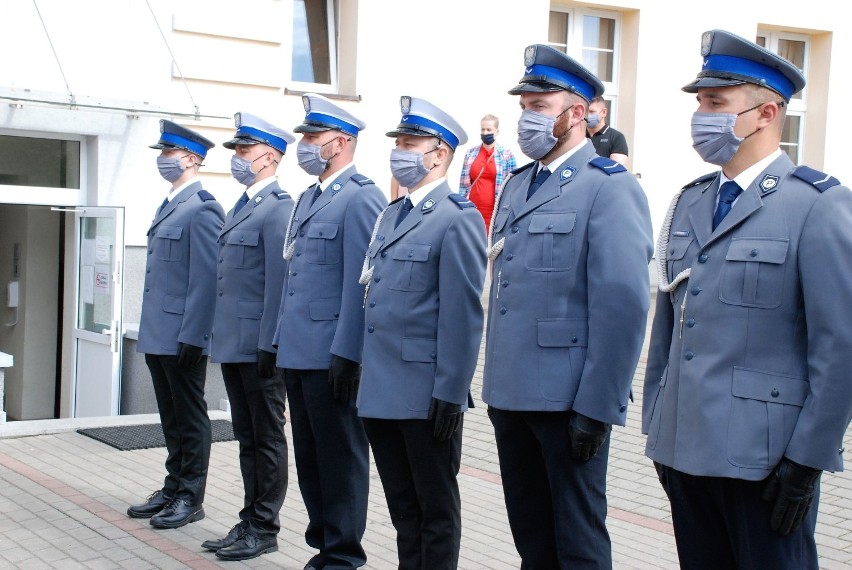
<point x="251" y="275"/>
<point x="424" y="273"/>
<point x="176" y="323"/>
<point x="321" y="331"/>
<point x="747" y="395"/>
<point x="571" y="241"/>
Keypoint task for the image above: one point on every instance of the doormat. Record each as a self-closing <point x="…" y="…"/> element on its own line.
<point x="145" y="436"/>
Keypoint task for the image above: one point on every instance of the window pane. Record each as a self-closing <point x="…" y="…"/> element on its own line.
<point x="97" y="251"/>
<point x="49" y="163"/>
<point x="599" y="46"/>
<point x="761" y="41"/>
<point x="557" y="31"/>
<point x="794" y="52"/>
<point x="311" y="62"/>
<point x="790" y="137"/>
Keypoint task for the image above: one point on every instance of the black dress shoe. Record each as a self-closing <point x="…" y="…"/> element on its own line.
<point x="178" y="513"/>
<point x="155" y="503"/>
<point x="236" y="533"/>
<point x="248" y="546"/>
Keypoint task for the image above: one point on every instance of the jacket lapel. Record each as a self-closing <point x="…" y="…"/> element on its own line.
<point x="421" y="210"/>
<point x="183" y="196"/>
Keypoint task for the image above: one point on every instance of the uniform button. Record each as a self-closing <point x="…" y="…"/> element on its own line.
<point x="291" y="293"/>
<point x="384" y="254"/>
<point x="336" y="315"/>
<point x="207" y="336"/>
<point x="550" y="226"/>
<point x="574" y="339"/>
<point x="515" y="229"/>
<point x="150" y="251"/>
<point x="302" y="234"/>
<point x="147" y="289"/>
<point x="377" y="279"/>
<point x="671" y="252"/>
<point x="370" y="329"/>
<point x="220" y="293"/>
<point x="293" y="273"/>
<point x="242" y="239"/>
<point x="504" y="283"/>
<point x="220" y="260"/>
<point x="148" y="270"/>
<point x="372" y="304"/>
<point x="220" y="278"/>
<point x="320" y="233"/>
<point x="753" y="253"/>
<point x="410" y="253"/>
<point x="298" y="253"/>
<point x="690" y="323"/>
<point x="433" y="354"/>
<point x="695" y="290"/>
<point x="509" y="256"/>
<point x="622" y="409"/>
<point x="689" y="355"/>
<point x="703" y="258"/>
<point x="503" y="310"/>
<point x="775" y="392"/>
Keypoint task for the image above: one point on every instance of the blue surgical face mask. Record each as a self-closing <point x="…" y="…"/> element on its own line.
<point x="170" y="167"/>
<point x="310" y="158"/>
<point x="407" y="167"/>
<point x="241" y="170"/>
<point x="535" y="133"/>
<point x="593" y="120"/>
<point x="713" y="136"/>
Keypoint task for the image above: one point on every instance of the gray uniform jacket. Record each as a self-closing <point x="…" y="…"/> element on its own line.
<point x="570" y="290"/>
<point x="424" y="312"/>
<point x="180" y="276"/>
<point x="322" y="310"/>
<point x="760" y="367"/>
<point x="251" y="275"/>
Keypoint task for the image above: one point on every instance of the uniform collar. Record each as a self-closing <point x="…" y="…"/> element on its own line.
<point x="327" y="182"/>
<point x="182" y="187"/>
<point x="258" y="187"/>
<point x="554" y="164"/>
<point x="745" y="178"/>
<point x="417" y="196"/>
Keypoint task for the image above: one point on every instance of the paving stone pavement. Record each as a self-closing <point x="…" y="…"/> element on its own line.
<point x="63" y="498"/>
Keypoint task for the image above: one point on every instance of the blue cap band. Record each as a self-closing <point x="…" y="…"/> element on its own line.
<point x="182" y="142"/>
<point x="262" y="136"/>
<point x="334" y="122"/>
<point x="582" y="87"/>
<point x="762" y="74"/>
<point x="443" y="133"/>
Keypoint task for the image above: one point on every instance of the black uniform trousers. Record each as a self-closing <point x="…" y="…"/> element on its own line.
<point x="257" y="414"/>
<point x="418" y="475"/>
<point x="723" y="523"/>
<point x="333" y="467"/>
<point x="186" y="425"/>
<point x="556" y="504"/>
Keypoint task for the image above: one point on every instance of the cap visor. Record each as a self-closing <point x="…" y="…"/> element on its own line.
<point x="413" y="132"/>
<point x="160" y="145"/>
<point x="231" y="144"/>
<point x="303" y="128"/>
<point x="537" y="87"/>
<point x="702" y="82"/>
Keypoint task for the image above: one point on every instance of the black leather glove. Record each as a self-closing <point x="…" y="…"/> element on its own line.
<point x="189" y="355"/>
<point x="791" y="487"/>
<point x="344" y="375"/>
<point x="265" y="363"/>
<point x="587" y="436"/>
<point x="447" y="417"/>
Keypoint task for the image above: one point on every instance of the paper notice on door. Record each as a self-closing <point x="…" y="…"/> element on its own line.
<point x="87" y="284"/>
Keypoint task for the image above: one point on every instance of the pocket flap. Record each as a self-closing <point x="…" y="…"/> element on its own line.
<point x="174" y="304"/>
<point x="243" y="237"/>
<point x="374" y="248"/>
<point x="411" y="252"/>
<point x="500" y="219"/>
<point x="419" y="349"/>
<point x="324" y="309"/>
<point x="169" y="232"/>
<point x="322" y="230"/>
<point x="249" y="309"/>
<point x="563" y="332"/>
<point x="677" y="249"/>
<point x="552" y="223"/>
<point x="764" y="250"/>
<point x="769" y="387"/>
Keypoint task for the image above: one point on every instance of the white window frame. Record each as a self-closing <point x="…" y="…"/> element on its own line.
<point x="796" y="107"/>
<point x="44" y="195"/>
<point x="574" y="46"/>
<point x="331" y="26"/>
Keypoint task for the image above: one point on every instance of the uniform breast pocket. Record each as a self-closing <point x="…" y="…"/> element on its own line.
<point x="241" y="249"/>
<point x="676" y="260"/>
<point x="550" y="243"/>
<point x="754" y="271"/>
<point x="167" y="243"/>
<point x="409" y="270"/>
<point x="322" y="245"/>
<point x="500" y="220"/>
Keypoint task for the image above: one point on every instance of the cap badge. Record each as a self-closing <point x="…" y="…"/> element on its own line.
<point x="405" y="104"/>
<point x="706" y="43"/>
<point x="306" y="101"/>
<point x="529" y="56"/>
<point x="567" y="173"/>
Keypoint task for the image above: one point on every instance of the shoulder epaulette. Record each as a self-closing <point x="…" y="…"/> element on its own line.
<point x="205" y="195"/>
<point x="608" y="165"/>
<point x="361" y="179"/>
<point x="281" y="194"/>
<point x="461" y="201"/>
<point x="700" y="179"/>
<point x="522" y="168"/>
<point x="819" y="180"/>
